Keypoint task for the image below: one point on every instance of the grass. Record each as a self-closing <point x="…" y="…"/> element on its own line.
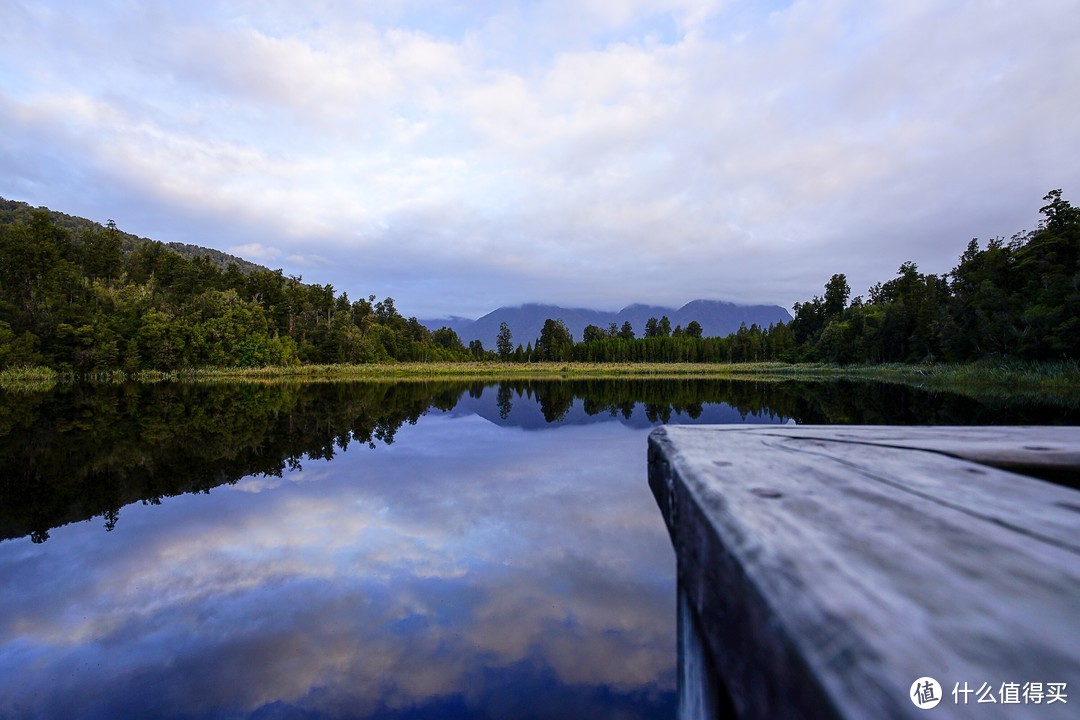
<point x="34" y="377"/>
<point x="1056" y="378"/>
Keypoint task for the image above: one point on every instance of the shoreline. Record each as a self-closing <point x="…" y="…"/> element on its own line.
<point x="1054" y="379"/>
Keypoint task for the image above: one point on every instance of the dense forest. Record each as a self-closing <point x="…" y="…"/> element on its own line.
<point x="86" y="298"/>
<point x="90" y="300"/>
<point x="1017" y="299"/>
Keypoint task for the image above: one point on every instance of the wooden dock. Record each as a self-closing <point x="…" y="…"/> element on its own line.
<point x="824" y="569"/>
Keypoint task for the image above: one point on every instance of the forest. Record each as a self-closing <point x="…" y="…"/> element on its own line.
<point x="90" y="299"/>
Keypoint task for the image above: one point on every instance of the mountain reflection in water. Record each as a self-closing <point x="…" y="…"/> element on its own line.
<point x="497" y="555"/>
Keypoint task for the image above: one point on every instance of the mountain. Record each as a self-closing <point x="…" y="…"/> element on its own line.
<point x="717" y="319"/>
<point x="528" y="413"/>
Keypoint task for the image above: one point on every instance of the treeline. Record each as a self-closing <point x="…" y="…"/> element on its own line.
<point x="1017" y="300"/>
<point x="87" y="299"/>
<point x="661" y="343"/>
<point x="83" y="302"/>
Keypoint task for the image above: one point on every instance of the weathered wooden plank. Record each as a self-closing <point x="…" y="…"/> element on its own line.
<point x="1041" y="451"/>
<point x="829" y="567"/>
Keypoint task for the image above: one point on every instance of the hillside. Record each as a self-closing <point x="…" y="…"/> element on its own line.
<point x="717" y="319"/>
<point x="86" y="299"/>
<point x="13" y="211"/>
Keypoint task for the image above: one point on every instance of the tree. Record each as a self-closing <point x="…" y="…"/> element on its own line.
<point x="555" y="341"/>
<point x="836" y="295"/>
<point x="102" y="257"/>
<point x="1060" y="214"/>
<point x="503" y="342"/>
<point x="446" y="338"/>
<point x="693" y="329"/>
<point x="627" y="331"/>
<point x="385" y="311"/>
<point x="663" y="328"/>
<point x="593" y="333"/>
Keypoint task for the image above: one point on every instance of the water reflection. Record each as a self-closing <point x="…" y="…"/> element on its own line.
<point x="87" y="452"/>
<point x="84" y="452"/>
<point x="498" y="555"/>
<point x="415" y="578"/>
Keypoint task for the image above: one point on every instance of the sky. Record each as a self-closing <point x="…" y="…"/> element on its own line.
<point x="461" y="156"/>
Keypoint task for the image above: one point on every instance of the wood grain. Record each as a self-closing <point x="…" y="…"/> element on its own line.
<point x="829" y="567"/>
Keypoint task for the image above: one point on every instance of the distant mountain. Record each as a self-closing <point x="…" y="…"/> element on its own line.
<point x="528" y="414"/>
<point x="717" y="319"/>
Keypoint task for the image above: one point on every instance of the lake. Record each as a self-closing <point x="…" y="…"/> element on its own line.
<point x="378" y="550"/>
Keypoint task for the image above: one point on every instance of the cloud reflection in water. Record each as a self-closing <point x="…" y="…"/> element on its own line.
<point x="467" y="569"/>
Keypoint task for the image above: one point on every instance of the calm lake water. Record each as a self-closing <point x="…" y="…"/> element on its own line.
<point x="411" y="550"/>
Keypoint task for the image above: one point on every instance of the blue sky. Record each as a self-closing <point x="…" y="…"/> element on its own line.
<point x="461" y="156"/>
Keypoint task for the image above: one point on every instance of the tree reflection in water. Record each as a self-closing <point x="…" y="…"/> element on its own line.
<point x="87" y="451"/>
<point x="498" y="554"/>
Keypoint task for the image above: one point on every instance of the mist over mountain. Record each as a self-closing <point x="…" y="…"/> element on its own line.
<point x="717" y="319"/>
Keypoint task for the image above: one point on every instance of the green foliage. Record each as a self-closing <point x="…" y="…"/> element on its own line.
<point x="663" y="328"/>
<point x="446" y="338"/>
<point x="1010" y="300"/>
<point x="503" y="344"/>
<point x="1017" y="300"/>
<point x="555" y="342"/>
<point x="594" y="333"/>
<point x="90" y="300"/>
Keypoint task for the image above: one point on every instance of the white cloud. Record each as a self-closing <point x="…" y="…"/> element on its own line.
<point x="256" y="252"/>
<point x="466" y="159"/>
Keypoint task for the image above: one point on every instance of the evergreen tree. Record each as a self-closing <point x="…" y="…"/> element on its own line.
<point x="663" y="328"/>
<point x="555" y="342"/>
<point x="593" y="334"/>
<point x="503" y="342"/>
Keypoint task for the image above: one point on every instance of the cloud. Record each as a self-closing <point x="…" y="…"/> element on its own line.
<point x="465" y="158"/>
<point x="256" y="252"/>
<point x="383" y="578"/>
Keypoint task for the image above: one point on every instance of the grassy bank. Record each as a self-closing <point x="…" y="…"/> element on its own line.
<point x="1060" y="378"/>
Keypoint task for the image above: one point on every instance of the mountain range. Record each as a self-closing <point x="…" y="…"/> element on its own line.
<point x="717" y="319"/>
